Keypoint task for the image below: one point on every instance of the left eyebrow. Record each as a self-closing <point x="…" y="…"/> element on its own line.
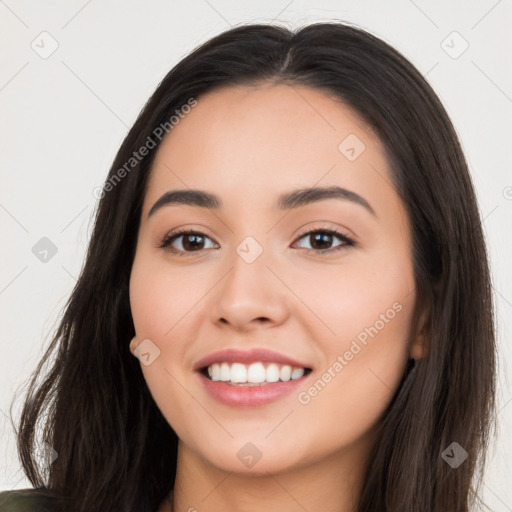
<point x="304" y="196"/>
<point x="287" y="201"/>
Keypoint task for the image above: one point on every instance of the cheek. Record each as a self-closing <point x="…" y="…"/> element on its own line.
<point x="169" y="390"/>
<point x="365" y="292"/>
<point x="364" y="366"/>
<point x="366" y="311"/>
<point x="161" y="303"/>
<point x="160" y="296"/>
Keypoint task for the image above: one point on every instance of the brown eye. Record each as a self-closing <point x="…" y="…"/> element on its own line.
<point x="321" y="240"/>
<point x="185" y="241"/>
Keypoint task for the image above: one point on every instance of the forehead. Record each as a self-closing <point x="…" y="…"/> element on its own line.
<point x="249" y="143"/>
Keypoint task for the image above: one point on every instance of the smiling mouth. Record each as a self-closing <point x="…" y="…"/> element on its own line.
<point x="255" y="374"/>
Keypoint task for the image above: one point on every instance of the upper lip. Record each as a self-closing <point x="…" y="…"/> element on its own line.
<point x="247" y="357"/>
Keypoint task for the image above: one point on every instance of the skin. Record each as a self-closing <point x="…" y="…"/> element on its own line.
<point x="248" y="145"/>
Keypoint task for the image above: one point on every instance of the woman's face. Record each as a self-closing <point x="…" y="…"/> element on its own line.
<point x="252" y="278"/>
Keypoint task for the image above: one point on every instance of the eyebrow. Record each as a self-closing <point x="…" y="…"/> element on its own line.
<point x="286" y="201"/>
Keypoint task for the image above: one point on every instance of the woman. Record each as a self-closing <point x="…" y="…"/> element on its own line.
<point x="285" y="303"/>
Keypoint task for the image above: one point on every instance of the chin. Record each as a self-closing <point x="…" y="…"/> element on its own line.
<point x="257" y="458"/>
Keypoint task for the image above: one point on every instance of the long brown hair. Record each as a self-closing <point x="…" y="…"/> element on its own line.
<point x="115" y="450"/>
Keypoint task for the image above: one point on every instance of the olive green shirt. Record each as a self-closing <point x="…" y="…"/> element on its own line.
<point x="24" y="500"/>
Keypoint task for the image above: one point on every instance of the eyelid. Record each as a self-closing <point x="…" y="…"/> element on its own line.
<point x="348" y="239"/>
<point x="327" y="226"/>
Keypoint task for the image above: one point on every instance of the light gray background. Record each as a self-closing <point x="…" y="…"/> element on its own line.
<point x="63" y="118"/>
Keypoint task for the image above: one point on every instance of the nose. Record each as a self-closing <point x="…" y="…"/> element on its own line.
<point x="250" y="295"/>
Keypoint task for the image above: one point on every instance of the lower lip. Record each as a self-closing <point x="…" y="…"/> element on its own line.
<point x="250" y="396"/>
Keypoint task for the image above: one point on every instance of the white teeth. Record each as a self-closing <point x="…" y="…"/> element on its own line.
<point x="285" y="373"/>
<point x="272" y="372"/>
<point x="238" y="373"/>
<point x="225" y="373"/>
<point x="297" y="373"/>
<point x="213" y="371"/>
<point x="256" y="373"/>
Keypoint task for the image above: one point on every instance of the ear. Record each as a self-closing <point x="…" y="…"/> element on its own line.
<point x="420" y="338"/>
<point x="419" y="347"/>
<point x="133" y="344"/>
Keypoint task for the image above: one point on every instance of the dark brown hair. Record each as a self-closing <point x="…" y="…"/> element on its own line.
<point x="115" y="449"/>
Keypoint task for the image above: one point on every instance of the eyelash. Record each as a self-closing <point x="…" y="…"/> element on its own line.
<point x="170" y="237"/>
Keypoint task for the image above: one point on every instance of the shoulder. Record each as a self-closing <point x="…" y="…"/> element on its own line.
<point x="24" y="500"/>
